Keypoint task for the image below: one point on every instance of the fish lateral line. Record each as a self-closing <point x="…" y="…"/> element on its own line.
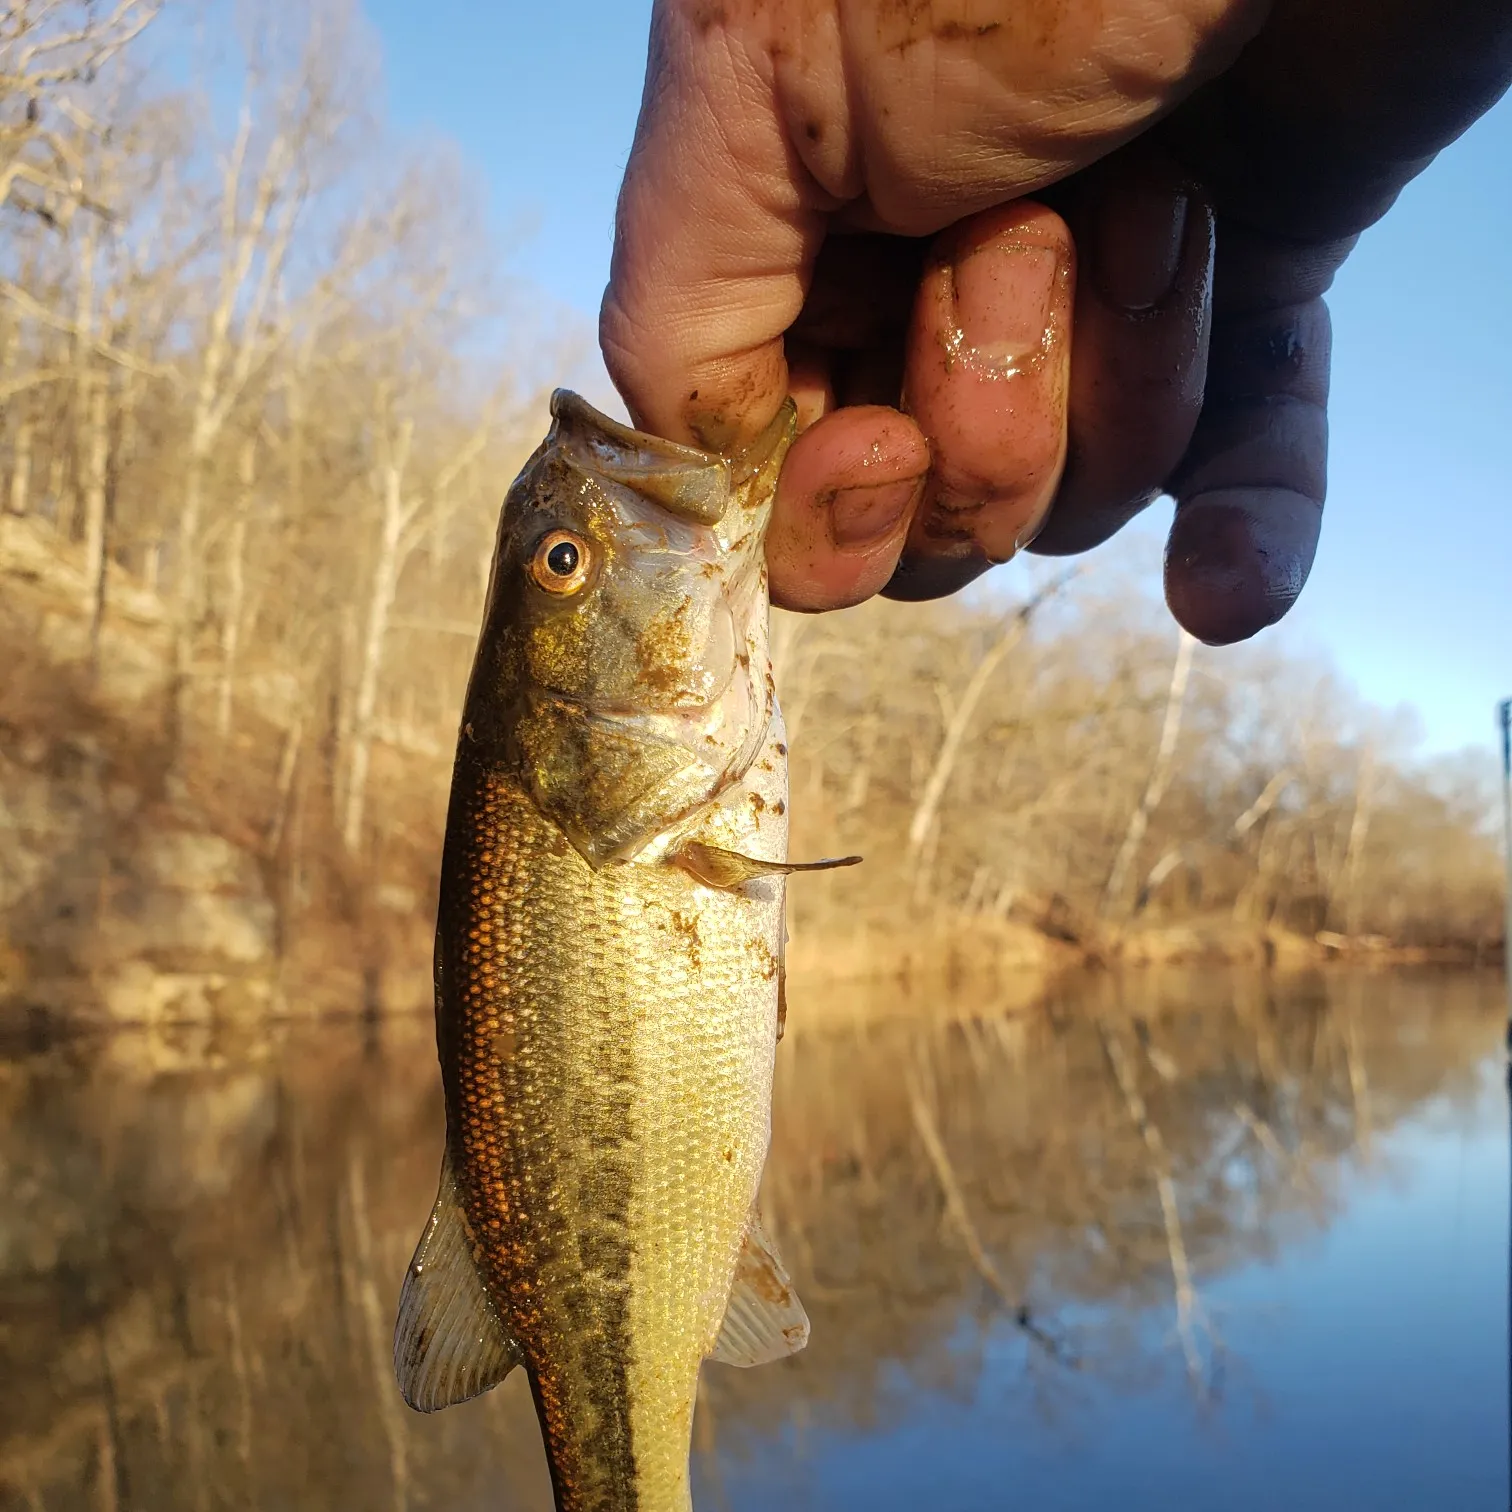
<point x="728" y="870"/>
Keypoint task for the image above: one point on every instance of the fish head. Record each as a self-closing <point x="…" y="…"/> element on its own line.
<point x="623" y="669"/>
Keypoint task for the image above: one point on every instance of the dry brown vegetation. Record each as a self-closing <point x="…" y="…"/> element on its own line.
<point x="250" y="462"/>
<point x="1074" y="764"/>
<point x="258" y="410"/>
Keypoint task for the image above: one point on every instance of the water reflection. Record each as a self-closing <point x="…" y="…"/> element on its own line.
<point x="1050" y="1252"/>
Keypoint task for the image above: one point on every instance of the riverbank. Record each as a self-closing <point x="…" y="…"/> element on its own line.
<point x="945" y="948"/>
<point x="159" y="868"/>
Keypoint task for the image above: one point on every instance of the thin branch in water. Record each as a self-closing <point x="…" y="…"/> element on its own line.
<point x="960" y="1218"/>
<point x="378" y="1330"/>
<point x="1192" y="1322"/>
<point x="1297" y="1171"/>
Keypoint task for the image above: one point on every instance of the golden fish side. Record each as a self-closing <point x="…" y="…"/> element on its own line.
<point x="608" y="966"/>
<point x="608" y="1081"/>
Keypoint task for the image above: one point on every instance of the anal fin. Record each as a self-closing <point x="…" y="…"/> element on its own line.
<point x="764" y="1320"/>
<point x="449" y="1341"/>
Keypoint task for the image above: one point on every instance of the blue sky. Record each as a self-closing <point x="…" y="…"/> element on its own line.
<point x="1411" y="595"/>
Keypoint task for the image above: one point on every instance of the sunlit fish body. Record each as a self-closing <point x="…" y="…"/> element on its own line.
<point x="608" y="963"/>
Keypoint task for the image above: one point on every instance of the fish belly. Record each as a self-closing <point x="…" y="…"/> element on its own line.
<point x="607" y="1045"/>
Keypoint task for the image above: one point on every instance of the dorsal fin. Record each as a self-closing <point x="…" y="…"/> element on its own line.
<point x="764" y="1320"/>
<point x="449" y="1342"/>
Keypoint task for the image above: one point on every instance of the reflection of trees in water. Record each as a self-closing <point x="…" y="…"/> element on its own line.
<point x="1256" y="1090"/>
<point x="197" y="1304"/>
<point x="201" y="1251"/>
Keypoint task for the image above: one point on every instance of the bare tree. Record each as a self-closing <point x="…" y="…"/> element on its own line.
<point x="262" y="398"/>
<point x="1160" y="774"/>
<point x="958" y="722"/>
<point x="46" y="46"/>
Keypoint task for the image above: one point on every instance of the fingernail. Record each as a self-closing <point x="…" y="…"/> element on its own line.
<point x="1004" y="293"/>
<point x="1139" y="234"/>
<point x="870" y="512"/>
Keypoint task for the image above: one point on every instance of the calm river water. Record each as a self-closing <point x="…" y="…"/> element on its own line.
<point x="1171" y="1241"/>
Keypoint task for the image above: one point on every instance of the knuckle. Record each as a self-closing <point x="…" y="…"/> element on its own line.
<point x="1272" y="354"/>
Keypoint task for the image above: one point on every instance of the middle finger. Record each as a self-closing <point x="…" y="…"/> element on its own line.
<point x="986" y="380"/>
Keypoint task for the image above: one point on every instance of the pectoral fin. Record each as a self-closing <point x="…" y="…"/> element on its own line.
<point x="764" y="1320"/>
<point x="728" y="870"/>
<point x="449" y="1342"/>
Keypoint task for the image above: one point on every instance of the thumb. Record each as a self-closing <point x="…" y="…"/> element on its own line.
<point x="715" y="235"/>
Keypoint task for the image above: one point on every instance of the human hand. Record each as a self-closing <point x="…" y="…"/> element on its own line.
<point x="827" y="198"/>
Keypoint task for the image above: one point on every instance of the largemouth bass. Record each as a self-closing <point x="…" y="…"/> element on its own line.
<point x="609" y="963"/>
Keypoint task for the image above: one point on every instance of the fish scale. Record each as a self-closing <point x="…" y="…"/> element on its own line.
<point x="638" y="1119"/>
<point x="608" y="965"/>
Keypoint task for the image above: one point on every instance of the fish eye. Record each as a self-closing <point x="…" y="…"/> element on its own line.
<point x="561" y="562"/>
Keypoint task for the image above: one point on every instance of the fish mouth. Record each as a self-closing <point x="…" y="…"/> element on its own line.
<point x="689" y="483"/>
